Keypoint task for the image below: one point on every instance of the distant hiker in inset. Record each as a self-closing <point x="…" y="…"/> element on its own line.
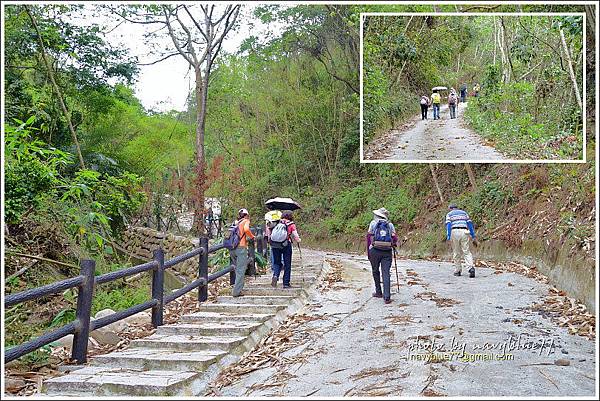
<point x="436" y="100"/>
<point x="459" y="229"/>
<point x="463" y="93"/>
<point x="452" y="103"/>
<point x="236" y="239"/>
<point x="476" y="90"/>
<point x="283" y="235"/>
<point x="381" y="239"/>
<point x="425" y="103"/>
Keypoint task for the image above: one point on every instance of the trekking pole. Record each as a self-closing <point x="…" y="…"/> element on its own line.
<point x="396" y="266"/>
<point x="301" y="262"/>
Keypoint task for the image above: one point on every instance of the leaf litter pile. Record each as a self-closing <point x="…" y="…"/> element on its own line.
<point x="440" y="302"/>
<point x="380" y="388"/>
<point x="334" y="275"/>
<point x="269" y="352"/>
<point x="24" y="379"/>
<point x="561" y="309"/>
<point x="514" y="267"/>
<point x="567" y="312"/>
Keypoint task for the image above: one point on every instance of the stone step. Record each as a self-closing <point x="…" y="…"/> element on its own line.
<point x="104" y="380"/>
<point x="205" y="317"/>
<point x="185" y="342"/>
<point x="210" y="328"/>
<point x="296" y="283"/>
<point x="257" y="290"/>
<point x="266" y="280"/>
<point x="232" y="308"/>
<point x="158" y="359"/>
<point x="257" y="299"/>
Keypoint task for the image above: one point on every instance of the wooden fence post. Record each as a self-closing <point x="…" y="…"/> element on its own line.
<point x="158" y="281"/>
<point x="203" y="270"/>
<point x="84" y="311"/>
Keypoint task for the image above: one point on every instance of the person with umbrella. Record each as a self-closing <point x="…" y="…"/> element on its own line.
<point x="283" y="235"/>
<point x="381" y="239"/>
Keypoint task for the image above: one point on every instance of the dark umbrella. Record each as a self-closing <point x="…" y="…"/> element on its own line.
<point x="282" y="204"/>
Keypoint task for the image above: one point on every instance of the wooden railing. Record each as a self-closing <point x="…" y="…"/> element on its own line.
<point x="87" y="281"/>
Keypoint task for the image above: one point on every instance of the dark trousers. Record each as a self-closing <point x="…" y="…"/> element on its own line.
<point x="381" y="258"/>
<point x="286" y="254"/>
<point x="424" y="108"/>
<point x="452" y="110"/>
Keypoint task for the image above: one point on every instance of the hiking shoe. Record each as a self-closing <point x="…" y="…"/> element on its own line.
<point x="376" y="295"/>
<point x="274" y="282"/>
<point x="387" y="301"/>
<point x="456" y="274"/>
<point x="472" y="272"/>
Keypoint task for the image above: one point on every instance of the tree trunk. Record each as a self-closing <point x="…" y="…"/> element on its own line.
<point x="198" y="201"/>
<point x="435" y="181"/>
<point x="571" y="72"/>
<point x="59" y="95"/>
<point x="503" y="52"/>
<point x="495" y="33"/>
<point x="471" y="176"/>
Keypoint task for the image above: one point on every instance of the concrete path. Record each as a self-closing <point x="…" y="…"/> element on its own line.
<point x="443" y="139"/>
<point x="358" y="346"/>
<point x="180" y="359"/>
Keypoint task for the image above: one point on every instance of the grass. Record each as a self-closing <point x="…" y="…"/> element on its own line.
<point x="522" y="127"/>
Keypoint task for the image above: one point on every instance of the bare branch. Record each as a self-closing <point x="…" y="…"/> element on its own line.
<point x="168" y="56"/>
<point x="174" y="38"/>
<point x="195" y="22"/>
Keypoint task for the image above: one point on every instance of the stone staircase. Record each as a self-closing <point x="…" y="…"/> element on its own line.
<point x="182" y="358"/>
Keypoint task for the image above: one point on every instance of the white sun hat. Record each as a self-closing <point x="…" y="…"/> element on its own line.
<point x="381" y="212"/>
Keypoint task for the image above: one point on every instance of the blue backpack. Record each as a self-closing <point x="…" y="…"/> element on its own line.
<point x="382" y="236"/>
<point x="231" y="238"/>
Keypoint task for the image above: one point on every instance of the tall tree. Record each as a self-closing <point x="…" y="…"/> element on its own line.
<point x="197" y="34"/>
<point x="55" y="86"/>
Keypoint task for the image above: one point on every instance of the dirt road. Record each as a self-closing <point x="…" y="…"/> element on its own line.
<point x="354" y="345"/>
<point x="443" y="139"/>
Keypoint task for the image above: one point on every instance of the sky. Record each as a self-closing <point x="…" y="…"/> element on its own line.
<point x="164" y="86"/>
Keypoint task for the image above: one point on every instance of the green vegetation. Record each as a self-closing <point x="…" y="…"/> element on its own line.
<point x="529" y="69"/>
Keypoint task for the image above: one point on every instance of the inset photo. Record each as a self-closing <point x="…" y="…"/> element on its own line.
<point x="475" y="88"/>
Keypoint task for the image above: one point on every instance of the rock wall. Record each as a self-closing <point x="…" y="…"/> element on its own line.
<point x="140" y="242"/>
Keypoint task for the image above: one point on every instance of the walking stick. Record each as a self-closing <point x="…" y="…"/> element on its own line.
<point x="396" y="266"/>
<point x="301" y="262"/>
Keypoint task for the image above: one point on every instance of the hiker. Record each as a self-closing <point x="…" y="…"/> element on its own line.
<point x="425" y="103"/>
<point x="241" y="251"/>
<point x="452" y="103"/>
<point x="476" y="89"/>
<point x="463" y="93"/>
<point x="271" y="220"/>
<point x="459" y="228"/>
<point x="381" y="238"/>
<point x="436" y="99"/>
<point x="282" y="236"/>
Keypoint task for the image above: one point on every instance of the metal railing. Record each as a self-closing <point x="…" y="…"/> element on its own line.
<point x="87" y="281"/>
